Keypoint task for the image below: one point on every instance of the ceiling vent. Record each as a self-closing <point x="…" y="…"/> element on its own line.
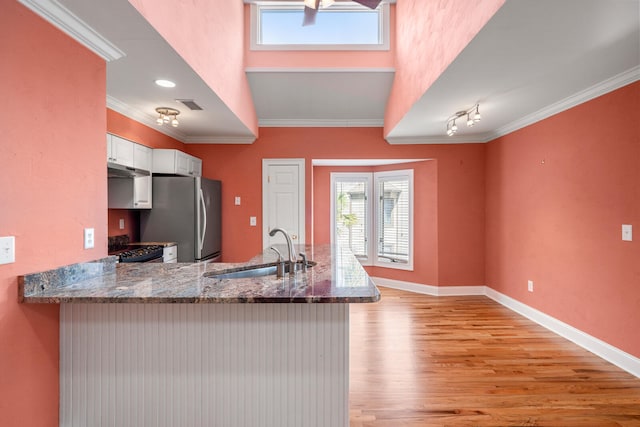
<point x="190" y="104"/>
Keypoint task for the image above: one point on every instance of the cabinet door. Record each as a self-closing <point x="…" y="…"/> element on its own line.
<point x="142" y="192"/>
<point x="183" y="163"/>
<point x="142" y="157"/>
<point x="122" y="151"/>
<point x="110" y="157"/>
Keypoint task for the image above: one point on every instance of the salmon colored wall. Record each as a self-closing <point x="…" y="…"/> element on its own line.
<point x="429" y="36"/>
<point x="209" y="36"/>
<point x="557" y="194"/>
<point x="132" y="130"/>
<point x="425" y="220"/>
<point x="53" y="184"/>
<point x="131" y="223"/>
<point x="319" y="58"/>
<point x="460" y="189"/>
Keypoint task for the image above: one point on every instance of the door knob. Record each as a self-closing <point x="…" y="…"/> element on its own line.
<point x="294" y="237"/>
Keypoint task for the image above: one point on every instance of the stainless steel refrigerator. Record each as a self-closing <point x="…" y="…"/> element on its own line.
<point x="186" y="211"/>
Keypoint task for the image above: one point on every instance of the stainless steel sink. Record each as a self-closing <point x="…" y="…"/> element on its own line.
<point x="248" y="272"/>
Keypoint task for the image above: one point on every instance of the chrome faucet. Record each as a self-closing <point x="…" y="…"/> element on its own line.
<point x="292" y="252"/>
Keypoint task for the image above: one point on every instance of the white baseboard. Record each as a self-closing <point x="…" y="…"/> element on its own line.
<point x="596" y="346"/>
<point x="611" y="354"/>
<point x="438" y="291"/>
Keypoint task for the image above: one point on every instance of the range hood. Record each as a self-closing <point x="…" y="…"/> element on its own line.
<point x="115" y="170"/>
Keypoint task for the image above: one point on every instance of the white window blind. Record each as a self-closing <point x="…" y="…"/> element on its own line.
<point x="374" y="220"/>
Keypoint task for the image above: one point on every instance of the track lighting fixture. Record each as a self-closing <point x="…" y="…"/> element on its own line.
<point x="473" y="117"/>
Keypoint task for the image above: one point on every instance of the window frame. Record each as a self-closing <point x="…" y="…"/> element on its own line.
<point x="255" y="43"/>
<point x="405" y="174"/>
<point x="354" y="177"/>
<point x="373" y="213"/>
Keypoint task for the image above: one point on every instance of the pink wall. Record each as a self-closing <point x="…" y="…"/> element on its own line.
<point x="429" y="36"/>
<point x="557" y="194"/>
<point x="123" y="126"/>
<point x="209" y="36"/>
<point x="460" y="191"/>
<point x="52" y="186"/>
<point x="318" y="58"/>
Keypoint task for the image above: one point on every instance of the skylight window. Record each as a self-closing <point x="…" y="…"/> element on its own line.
<point x="345" y="26"/>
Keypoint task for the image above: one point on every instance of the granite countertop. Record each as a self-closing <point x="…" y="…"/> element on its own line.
<point x="338" y="277"/>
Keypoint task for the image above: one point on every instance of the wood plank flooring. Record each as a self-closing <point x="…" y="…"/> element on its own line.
<point x="418" y="360"/>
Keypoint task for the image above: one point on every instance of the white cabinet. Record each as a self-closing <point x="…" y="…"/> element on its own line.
<point x="142" y="157"/>
<point x="142" y="191"/>
<point x="120" y="151"/>
<point x="130" y="193"/>
<point x="170" y="254"/>
<point x="175" y="162"/>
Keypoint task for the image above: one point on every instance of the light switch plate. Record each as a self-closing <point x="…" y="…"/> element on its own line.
<point x="237" y="200"/>
<point x="121" y="224"/>
<point x="7" y="250"/>
<point x="89" y="235"/>
<point x="530" y="285"/>
<point x="627" y="232"/>
<point x="253" y="221"/>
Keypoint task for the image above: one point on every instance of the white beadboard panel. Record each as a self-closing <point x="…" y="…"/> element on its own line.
<point x="195" y="365"/>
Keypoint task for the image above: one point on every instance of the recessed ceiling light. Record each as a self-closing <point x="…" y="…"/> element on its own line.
<point x="165" y="83"/>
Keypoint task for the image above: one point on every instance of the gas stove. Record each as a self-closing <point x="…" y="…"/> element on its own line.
<point x="126" y="252"/>
<point x="151" y="253"/>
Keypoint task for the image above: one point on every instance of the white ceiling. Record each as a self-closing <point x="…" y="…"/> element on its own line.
<point x="534" y="58"/>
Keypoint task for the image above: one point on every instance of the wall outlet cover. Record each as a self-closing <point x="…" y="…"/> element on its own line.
<point x="7" y="250"/>
<point x="627" y="232"/>
<point x="530" y="285"/>
<point x="89" y="238"/>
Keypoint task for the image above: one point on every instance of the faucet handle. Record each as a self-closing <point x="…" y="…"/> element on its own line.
<point x="277" y="252"/>
<point x="304" y="261"/>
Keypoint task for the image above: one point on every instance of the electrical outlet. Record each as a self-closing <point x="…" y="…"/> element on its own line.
<point x="530" y="285"/>
<point x="627" y="232"/>
<point x="237" y="200"/>
<point x="7" y="250"/>
<point x="121" y="224"/>
<point x="253" y="221"/>
<point x="89" y="238"/>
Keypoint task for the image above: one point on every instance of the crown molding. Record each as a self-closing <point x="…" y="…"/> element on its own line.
<point x="604" y="87"/>
<point x="313" y="123"/>
<point x="62" y="18"/>
<point x="144" y="118"/>
<point x="456" y="139"/>
<point x="320" y="70"/>
<point x="220" y="140"/>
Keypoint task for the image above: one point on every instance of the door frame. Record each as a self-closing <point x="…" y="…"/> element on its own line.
<point x="301" y="196"/>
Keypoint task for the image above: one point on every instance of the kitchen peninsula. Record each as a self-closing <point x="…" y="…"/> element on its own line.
<point x="165" y="345"/>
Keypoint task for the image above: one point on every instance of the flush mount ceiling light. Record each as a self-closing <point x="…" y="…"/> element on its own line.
<point x="167" y="115"/>
<point x="311" y="8"/>
<point x="165" y="83"/>
<point x="473" y="117"/>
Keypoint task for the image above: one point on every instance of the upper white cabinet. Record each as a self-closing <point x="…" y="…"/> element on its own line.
<point x="175" y="162"/>
<point x="142" y="157"/>
<point x="130" y="193"/>
<point x="120" y="151"/>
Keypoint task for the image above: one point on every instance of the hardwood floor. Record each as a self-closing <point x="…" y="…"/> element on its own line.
<point x="418" y="360"/>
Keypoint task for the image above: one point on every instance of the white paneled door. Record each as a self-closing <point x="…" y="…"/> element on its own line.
<point x="283" y="200"/>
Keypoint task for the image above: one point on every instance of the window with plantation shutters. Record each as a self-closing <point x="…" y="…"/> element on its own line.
<point x="394" y="216"/>
<point x="372" y="214"/>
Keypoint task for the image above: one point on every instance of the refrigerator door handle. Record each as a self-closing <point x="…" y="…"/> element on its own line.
<point x="204" y="222"/>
